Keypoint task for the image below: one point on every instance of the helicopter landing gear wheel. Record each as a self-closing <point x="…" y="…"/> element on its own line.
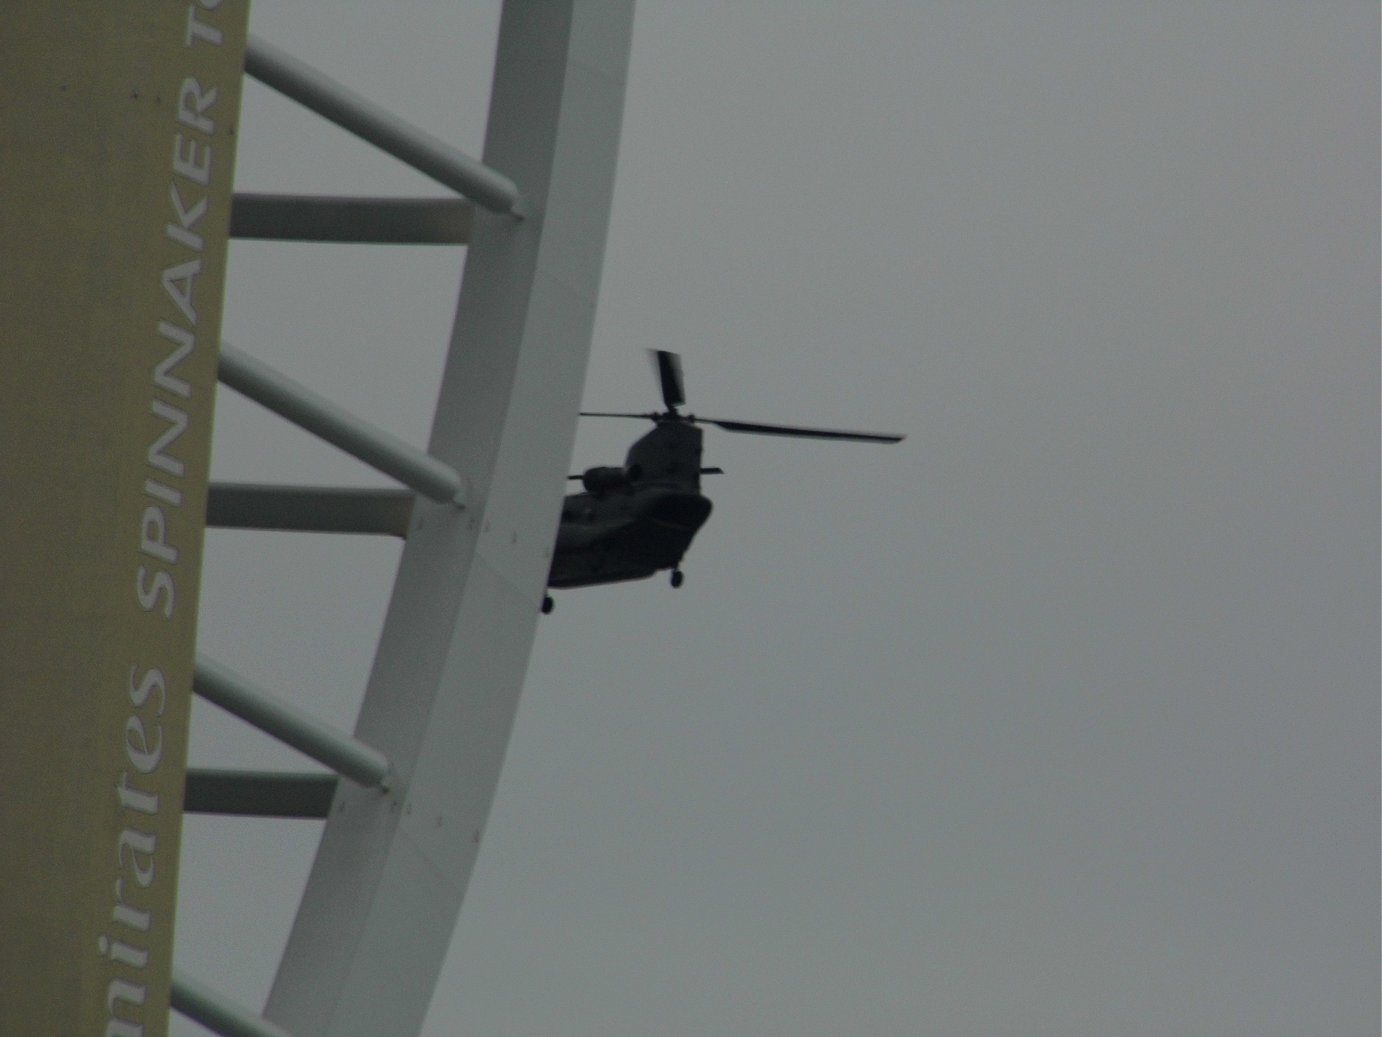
<point x="677" y="577"/>
<point x="548" y="604"/>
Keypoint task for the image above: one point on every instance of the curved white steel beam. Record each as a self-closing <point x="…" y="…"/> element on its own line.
<point x="377" y="916"/>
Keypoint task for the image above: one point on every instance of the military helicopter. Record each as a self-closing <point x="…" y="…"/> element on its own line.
<point x="633" y="521"/>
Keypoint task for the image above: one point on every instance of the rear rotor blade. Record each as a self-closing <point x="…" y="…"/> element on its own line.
<point x="668" y="367"/>
<point x="801" y="431"/>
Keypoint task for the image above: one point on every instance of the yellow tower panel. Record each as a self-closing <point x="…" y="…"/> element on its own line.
<point x="117" y="148"/>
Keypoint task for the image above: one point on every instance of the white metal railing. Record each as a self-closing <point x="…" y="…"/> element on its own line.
<point x="344" y="754"/>
<point x="309" y="509"/>
<point x="218" y="1013"/>
<point x="333" y="423"/>
<point x="375" y="221"/>
<point x="209" y="790"/>
<point x="427" y="154"/>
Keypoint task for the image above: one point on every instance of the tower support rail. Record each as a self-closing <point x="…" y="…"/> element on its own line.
<point x="375" y="221"/>
<point x="258" y="793"/>
<point x="309" y="509"/>
<point x="427" y="154"/>
<point x="217" y="1013"/>
<point x="334" y="748"/>
<point x="329" y="421"/>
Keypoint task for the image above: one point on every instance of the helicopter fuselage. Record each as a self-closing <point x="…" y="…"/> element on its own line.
<point x="633" y="521"/>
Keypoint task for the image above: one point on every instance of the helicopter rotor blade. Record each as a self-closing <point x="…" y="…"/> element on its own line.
<point x="646" y="416"/>
<point x="757" y="427"/>
<point x="800" y="431"/>
<point x="668" y="366"/>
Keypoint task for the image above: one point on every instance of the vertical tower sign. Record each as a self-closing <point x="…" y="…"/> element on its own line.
<point x="117" y="146"/>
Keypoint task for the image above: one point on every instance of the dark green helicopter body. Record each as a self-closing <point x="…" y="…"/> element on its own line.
<point x="634" y="521"/>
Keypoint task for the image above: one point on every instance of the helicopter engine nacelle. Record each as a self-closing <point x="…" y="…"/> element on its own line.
<point x="605" y="479"/>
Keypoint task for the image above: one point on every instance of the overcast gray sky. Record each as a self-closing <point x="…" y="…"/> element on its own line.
<point x="1060" y="717"/>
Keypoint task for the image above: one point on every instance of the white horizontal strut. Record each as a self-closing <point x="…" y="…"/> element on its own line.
<point x="316" y="509"/>
<point x="258" y="793"/>
<point x="333" y="423"/>
<point x="368" y="121"/>
<point x="343" y="754"/>
<point x="395" y="221"/>
<point x="218" y="1014"/>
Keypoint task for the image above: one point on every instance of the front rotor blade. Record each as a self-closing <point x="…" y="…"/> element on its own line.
<point x="801" y="431"/>
<point x="668" y="366"/>
<point x="618" y="414"/>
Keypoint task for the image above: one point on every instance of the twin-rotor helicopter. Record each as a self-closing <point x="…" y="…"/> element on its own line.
<point x="637" y="519"/>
